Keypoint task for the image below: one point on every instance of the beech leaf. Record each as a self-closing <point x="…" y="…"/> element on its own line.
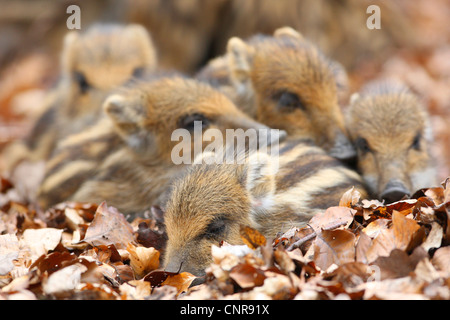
<point x="109" y="227"/>
<point x="334" y="247"/>
<point x="398" y="236"/>
<point x="252" y="237"/>
<point x="143" y="260"/>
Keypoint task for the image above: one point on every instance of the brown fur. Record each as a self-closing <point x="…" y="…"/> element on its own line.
<point x="261" y="69"/>
<point x="125" y="158"/>
<point x="209" y="192"/>
<point x="395" y="126"/>
<point x="210" y="202"/>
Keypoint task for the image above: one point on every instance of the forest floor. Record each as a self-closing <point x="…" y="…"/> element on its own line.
<point x="358" y="250"/>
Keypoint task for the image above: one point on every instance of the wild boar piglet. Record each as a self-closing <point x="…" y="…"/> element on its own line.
<point x="390" y="129"/>
<point x="212" y="200"/>
<point x="285" y="82"/>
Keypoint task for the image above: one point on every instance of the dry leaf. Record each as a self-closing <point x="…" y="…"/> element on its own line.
<point x="398" y="236"/>
<point x="441" y="259"/>
<point x="151" y="238"/>
<point x="446" y="186"/>
<point x="398" y="264"/>
<point x="157" y="277"/>
<point x="334" y="247"/>
<point x="9" y="251"/>
<point x="143" y="260"/>
<point x="181" y="281"/>
<point x="351" y="274"/>
<point x="20" y="295"/>
<point x="247" y="276"/>
<point x="333" y="218"/>
<point x="73" y="218"/>
<point x="109" y="227"/>
<point x="434" y="238"/>
<point x="285" y="259"/>
<point x="107" y="254"/>
<point x="436" y="195"/>
<point x="64" y="280"/>
<point x="40" y="241"/>
<point x="426" y="271"/>
<point x="5" y="185"/>
<point x="350" y="198"/>
<point x="375" y="227"/>
<point x="18" y="284"/>
<point x="135" y="289"/>
<point x="405" y="288"/>
<point x="364" y="243"/>
<point x="142" y="290"/>
<point x="277" y="287"/>
<point x="404" y="207"/>
<point x="404" y="229"/>
<point x="252" y="237"/>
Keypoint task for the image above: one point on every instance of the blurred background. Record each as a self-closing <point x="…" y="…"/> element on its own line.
<point x="412" y="45"/>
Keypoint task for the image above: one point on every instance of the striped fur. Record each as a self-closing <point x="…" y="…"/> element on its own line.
<point x="125" y="158"/>
<point x="257" y="73"/>
<point x="210" y="201"/>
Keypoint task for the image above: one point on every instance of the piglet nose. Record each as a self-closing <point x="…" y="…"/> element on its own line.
<point x="173" y="265"/>
<point x="343" y="149"/>
<point x="395" y="190"/>
<point x="197" y="281"/>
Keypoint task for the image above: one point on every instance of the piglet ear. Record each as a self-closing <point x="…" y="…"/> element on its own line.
<point x="287" y="32"/>
<point x="128" y="117"/>
<point x="145" y="42"/>
<point x="69" y="53"/>
<point x="121" y="110"/>
<point x="340" y="77"/>
<point x="114" y="107"/>
<point x="240" y="56"/>
<point x="260" y="180"/>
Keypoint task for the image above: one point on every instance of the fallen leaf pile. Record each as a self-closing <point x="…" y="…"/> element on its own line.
<point x="361" y="249"/>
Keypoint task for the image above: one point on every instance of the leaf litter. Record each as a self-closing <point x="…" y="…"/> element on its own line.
<point x="361" y="249"/>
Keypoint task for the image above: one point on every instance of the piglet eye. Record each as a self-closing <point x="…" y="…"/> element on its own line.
<point x="288" y="100"/>
<point x="188" y="122"/>
<point x="80" y="79"/>
<point x="215" y="228"/>
<point x="362" y="145"/>
<point x="416" y="142"/>
<point x="138" y="72"/>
